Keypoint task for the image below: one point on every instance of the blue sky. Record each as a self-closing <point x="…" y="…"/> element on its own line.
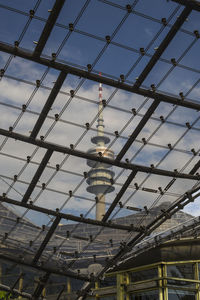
<point x="82" y="47"/>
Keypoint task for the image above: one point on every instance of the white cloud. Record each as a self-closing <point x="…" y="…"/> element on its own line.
<point x="81" y="112"/>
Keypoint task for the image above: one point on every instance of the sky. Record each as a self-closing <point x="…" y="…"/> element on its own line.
<point x="86" y="45"/>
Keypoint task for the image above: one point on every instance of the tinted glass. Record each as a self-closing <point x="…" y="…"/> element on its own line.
<point x="181" y="271"/>
<point x="181" y="295"/>
<point x="109" y="281"/>
<point x="143" y="275"/>
<point x="151" y="295"/>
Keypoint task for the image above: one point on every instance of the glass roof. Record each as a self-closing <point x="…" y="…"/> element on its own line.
<point x="54" y="56"/>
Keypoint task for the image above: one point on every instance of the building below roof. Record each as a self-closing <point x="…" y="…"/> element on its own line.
<point x="169" y="271"/>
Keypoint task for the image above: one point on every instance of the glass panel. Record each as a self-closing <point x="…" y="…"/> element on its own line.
<point x="55" y="285"/>
<point x="76" y="284"/>
<point x="108" y="281"/>
<point x="9" y="274"/>
<point x="181" y="283"/>
<point x="199" y="269"/>
<point x="150" y="295"/>
<point x="181" y="271"/>
<point x="143" y="275"/>
<point x="181" y="295"/>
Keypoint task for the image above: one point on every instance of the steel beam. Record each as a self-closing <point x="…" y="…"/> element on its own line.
<point x="119" y="196"/>
<point x="165" y="42"/>
<point x="172" y="234"/>
<point x="46" y="239"/>
<point x="174" y="208"/>
<point x="77" y="153"/>
<point x="195" y="168"/>
<point x="189" y="3"/>
<point x="44" y="268"/>
<point x="69" y="216"/>
<point x="54" y="92"/>
<point x="138" y="129"/>
<point x="37" y="175"/>
<point x="48" y="27"/>
<point x="92" y="76"/>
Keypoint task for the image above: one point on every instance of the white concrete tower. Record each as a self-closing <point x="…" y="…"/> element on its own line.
<point x="100" y="176"/>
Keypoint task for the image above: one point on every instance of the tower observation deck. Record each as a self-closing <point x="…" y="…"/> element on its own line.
<point x="100" y="176"/>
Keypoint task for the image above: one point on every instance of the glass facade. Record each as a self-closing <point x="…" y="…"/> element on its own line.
<point x="108" y="281"/>
<point x="181" y="271"/>
<point x="161" y="281"/>
<point x="144" y="275"/>
<point x="29" y="279"/>
<point x="151" y="295"/>
<point x="181" y="295"/>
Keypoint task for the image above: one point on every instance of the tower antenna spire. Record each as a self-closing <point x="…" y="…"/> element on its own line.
<point x="100" y="121"/>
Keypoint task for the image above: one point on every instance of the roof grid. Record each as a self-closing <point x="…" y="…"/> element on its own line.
<point x="49" y="92"/>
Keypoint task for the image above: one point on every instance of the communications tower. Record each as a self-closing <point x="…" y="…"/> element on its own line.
<point x="100" y="176"/>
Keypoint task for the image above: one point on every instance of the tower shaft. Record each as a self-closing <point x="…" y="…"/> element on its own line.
<point x="100" y="177"/>
<point x="100" y="207"/>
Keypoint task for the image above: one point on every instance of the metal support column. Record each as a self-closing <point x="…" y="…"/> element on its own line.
<point x="160" y="282"/>
<point x="96" y="287"/>
<point x="196" y="276"/>
<point x="165" y="289"/>
<point x="21" y="280"/>
<point x="68" y="288"/>
<point x="44" y="292"/>
<point x="120" y="287"/>
<point x="127" y="282"/>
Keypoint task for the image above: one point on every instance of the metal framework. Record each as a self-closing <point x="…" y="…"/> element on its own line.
<point x="142" y="153"/>
<point x="160" y="285"/>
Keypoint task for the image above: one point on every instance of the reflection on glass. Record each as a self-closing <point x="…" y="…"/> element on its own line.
<point x="55" y="285"/>
<point x="150" y="295"/>
<point x="144" y="275"/>
<point x="181" y="295"/>
<point x="108" y="281"/>
<point x="76" y="284"/>
<point x="181" y="271"/>
<point x="181" y="283"/>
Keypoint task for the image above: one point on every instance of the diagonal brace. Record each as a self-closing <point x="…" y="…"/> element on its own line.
<point x="195" y="168"/>
<point x="189" y="3"/>
<point x="54" y="92"/>
<point x="92" y="76"/>
<point x="48" y="27"/>
<point x="37" y="176"/>
<point x="85" y="155"/>
<point x="119" y="195"/>
<point x="164" y="44"/>
<point x="68" y="216"/>
<point x="138" y="129"/>
<point x="46" y="239"/>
